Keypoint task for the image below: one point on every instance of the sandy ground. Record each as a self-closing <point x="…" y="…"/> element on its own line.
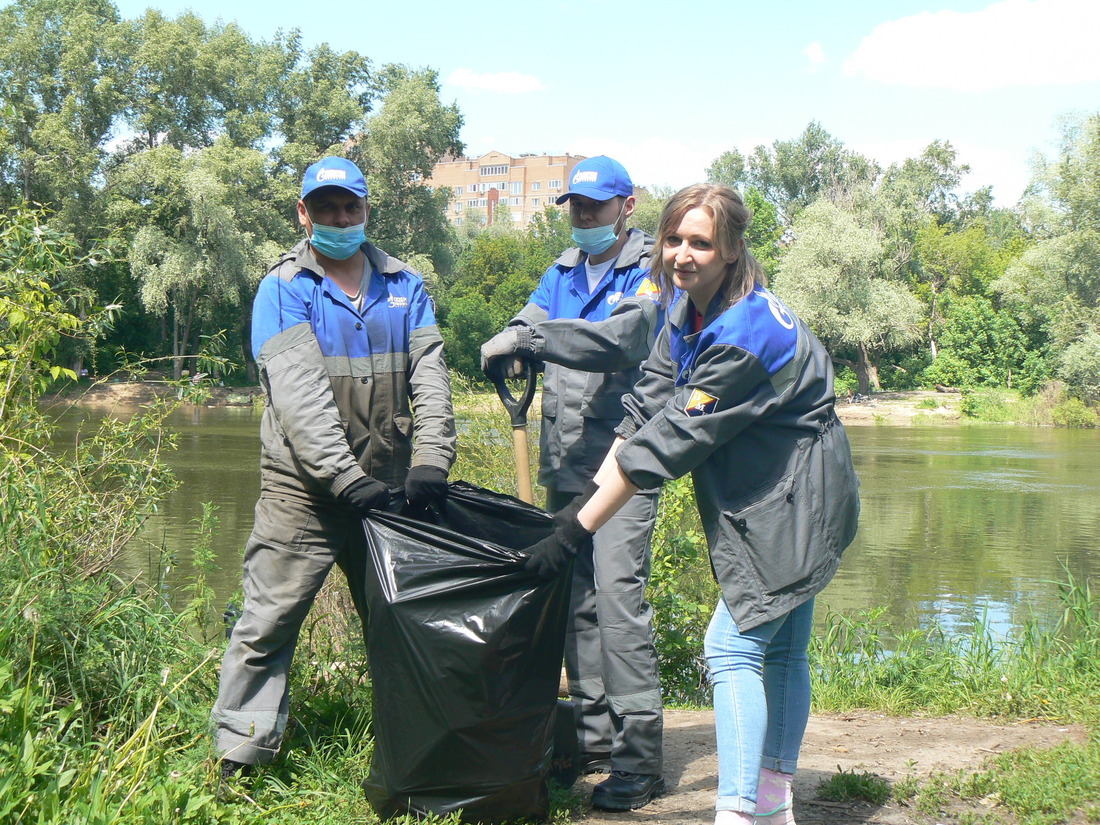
<point x="890" y="747"/>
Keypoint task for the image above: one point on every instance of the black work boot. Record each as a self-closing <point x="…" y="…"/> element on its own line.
<point x="624" y="791"/>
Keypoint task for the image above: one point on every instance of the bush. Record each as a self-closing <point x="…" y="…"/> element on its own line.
<point x="1073" y="412"/>
<point x="987" y="405"/>
<point x="845" y="382"/>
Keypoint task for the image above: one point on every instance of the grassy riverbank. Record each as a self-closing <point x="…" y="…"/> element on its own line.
<point x="105" y="691"/>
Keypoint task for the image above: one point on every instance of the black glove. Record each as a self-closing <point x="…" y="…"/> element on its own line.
<point x="365" y="494"/>
<point x="426" y="484"/>
<point x="547" y="557"/>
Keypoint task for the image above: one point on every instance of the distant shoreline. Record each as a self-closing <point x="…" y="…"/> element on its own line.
<point x="908" y="407"/>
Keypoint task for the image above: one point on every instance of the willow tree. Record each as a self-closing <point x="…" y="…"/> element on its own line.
<point x="837" y="276"/>
<point x="200" y="241"/>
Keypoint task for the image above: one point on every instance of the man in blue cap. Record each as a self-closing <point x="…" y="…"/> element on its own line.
<point x="592" y="321"/>
<point x="358" y="403"/>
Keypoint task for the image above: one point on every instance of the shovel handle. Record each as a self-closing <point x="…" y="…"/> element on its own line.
<point x="517" y="407"/>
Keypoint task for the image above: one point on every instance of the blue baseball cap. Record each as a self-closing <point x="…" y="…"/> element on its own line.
<point x="333" y="171"/>
<point x="599" y="178"/>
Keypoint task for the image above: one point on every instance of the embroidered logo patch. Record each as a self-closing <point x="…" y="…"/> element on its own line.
<point x="648" y="289"/>
<point x="331" y="174"/>
<point x="585" y="177"/>
<point x="614" y="298"/>
<point x="398" y="301"/>
<point x="700" y="403"/>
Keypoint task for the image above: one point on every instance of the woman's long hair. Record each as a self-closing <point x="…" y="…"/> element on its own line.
<point x="731" y="218"/>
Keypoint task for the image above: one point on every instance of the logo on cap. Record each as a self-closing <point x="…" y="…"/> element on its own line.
<point x="586" y="177"/>
<point x="331" y="174"/>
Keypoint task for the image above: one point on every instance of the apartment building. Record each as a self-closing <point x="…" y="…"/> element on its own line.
<point x="526" y="185"/>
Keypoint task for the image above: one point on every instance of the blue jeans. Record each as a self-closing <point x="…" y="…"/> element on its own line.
<point x="761" y="684"/>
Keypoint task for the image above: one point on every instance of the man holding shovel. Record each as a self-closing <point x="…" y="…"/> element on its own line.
<point x="592" y="321"/>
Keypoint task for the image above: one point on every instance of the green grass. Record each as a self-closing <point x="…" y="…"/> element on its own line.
<point x="853" y="786"/>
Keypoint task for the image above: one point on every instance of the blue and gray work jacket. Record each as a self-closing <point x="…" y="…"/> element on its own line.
<point x="350" y="393"/>
<point x="746" y="406"/>
<point x="593" y="345"/>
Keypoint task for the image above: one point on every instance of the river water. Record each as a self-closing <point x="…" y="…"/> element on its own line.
<point x="958" y="522"/>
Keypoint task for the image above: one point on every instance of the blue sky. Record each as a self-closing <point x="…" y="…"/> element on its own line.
<point x="666" y="87"/>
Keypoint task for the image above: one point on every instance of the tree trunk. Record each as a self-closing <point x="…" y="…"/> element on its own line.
<point x="866" y="371"/>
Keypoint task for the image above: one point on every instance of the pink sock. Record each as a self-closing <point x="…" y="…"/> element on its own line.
<point x="773" y="798"/>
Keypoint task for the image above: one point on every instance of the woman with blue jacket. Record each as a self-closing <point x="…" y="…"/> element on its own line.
<point x="739" y="393"/>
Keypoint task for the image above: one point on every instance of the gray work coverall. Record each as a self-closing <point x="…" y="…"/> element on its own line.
<point x="593" y="345"/>
<point x="349" y="393"/>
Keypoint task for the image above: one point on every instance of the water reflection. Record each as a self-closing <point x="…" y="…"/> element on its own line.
<point x="957" y="522"/>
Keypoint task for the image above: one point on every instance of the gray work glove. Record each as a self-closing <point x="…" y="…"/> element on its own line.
<point x="426" y="484"/>
<point x="366" y="494"/>
<point x="517" y="341"/>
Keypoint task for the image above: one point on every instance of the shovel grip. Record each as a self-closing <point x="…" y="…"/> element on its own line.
<point x="517" y="407"/>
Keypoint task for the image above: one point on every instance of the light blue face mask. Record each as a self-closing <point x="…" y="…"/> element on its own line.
<point x="598" y="239"/>
<point x="336" y="243"/>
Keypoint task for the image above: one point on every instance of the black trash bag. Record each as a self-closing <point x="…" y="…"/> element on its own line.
<point x="465" y="651"/>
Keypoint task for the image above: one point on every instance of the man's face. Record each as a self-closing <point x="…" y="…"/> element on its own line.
<point x="586" y="213"/>
<point x="332" y="206"/>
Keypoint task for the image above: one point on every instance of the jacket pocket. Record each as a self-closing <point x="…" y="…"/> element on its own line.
<point x="403" y="424"/>
<point x="775" y="537"/>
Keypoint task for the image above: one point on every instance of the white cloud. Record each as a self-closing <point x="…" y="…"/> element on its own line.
<point x="507" y="83"/>
<point x="1010" y="43"/>
<point x="654" y="161"/>
<point x="816" y="54"/>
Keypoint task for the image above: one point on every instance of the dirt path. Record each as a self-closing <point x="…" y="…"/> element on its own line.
<point x="891" y="747"/>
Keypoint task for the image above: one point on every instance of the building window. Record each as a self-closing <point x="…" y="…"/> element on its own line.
<point x="536" y="185"/>
<point x="493" y="170"/>
<point x="471" y="187"/>
<point x="458" y="206"/>
<point x="458" y="221"/>
<point x="536" y="201"/>
<point x="458" y="191"/>
<point x="517" y="187"/>
<point x="472" y="202"/>
<point x="554" y="184"/>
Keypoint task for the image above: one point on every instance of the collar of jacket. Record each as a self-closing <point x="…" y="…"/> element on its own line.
<point x="680" y="314"/>
<point x="638" y="245"/>
<point x="303" y="257"/>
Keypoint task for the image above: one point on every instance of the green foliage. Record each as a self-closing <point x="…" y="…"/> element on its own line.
<point x="845" y="382"/>
<point x="496" y="274"/>
<point x="1079" y="367"/>
<point x="1073" y="413"/>
<point x="836" y="277"/>
<point x="981" y="346"/>
<point x="410" y="133"/>
<point x="792" y="174"/>
<point x="987" y="405"/>
<point x="683" y="594"/>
